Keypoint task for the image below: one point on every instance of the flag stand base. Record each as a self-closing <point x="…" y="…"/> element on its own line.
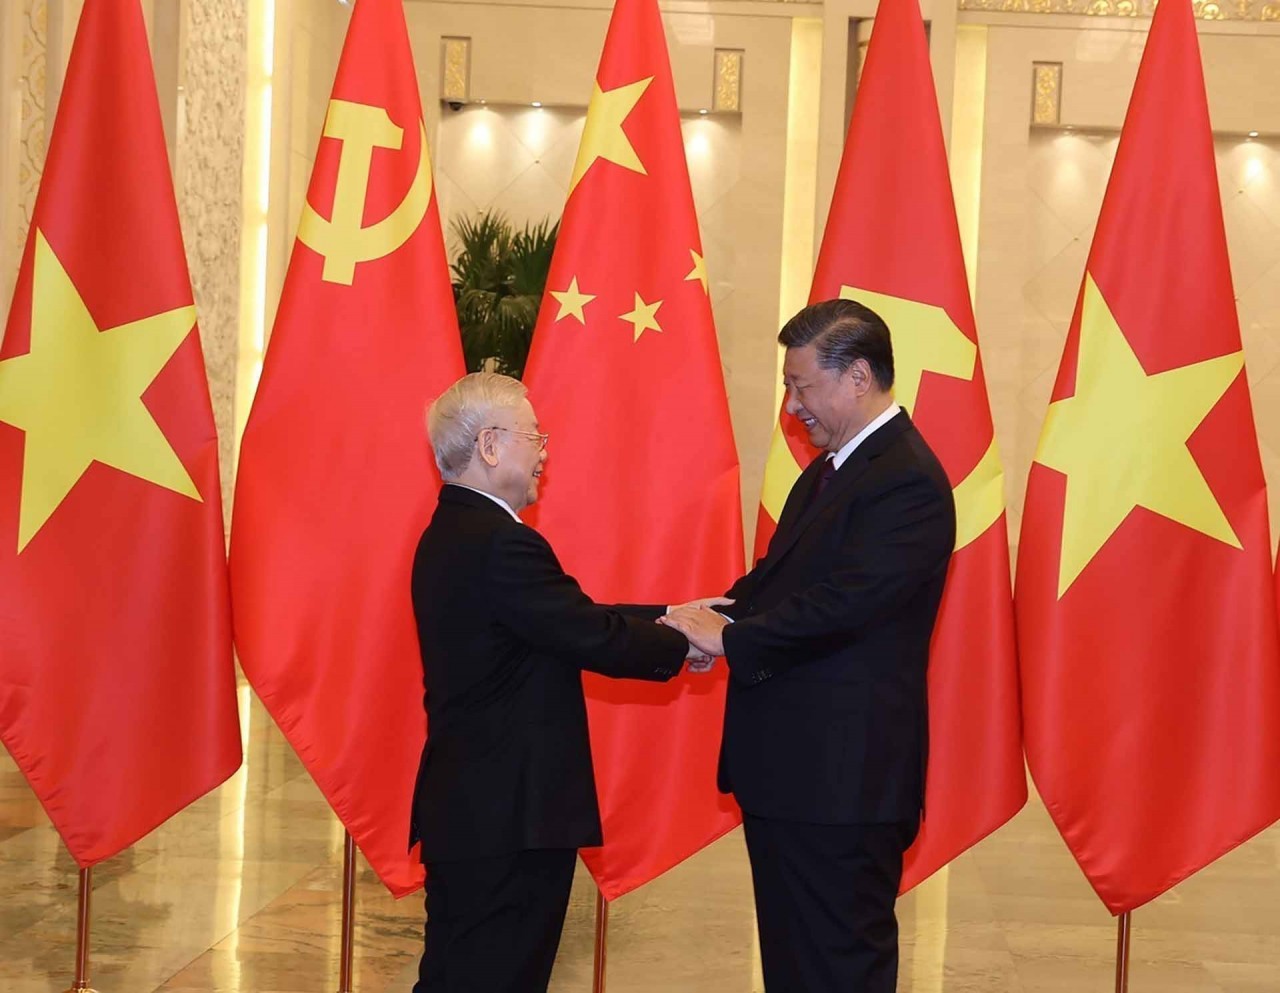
<point x="1122" y="953"/>
<point x="348" y="913"/>
<point x="81" y="983"/>
<point x="602" y="937"/>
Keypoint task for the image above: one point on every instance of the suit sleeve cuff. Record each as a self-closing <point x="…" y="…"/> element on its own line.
<point x="743" y="666"/>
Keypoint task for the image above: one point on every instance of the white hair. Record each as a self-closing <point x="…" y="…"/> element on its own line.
<point x="460" y="413"/>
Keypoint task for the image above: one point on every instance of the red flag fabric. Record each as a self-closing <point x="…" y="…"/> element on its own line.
<point x="1146" y="618"/>
<point x="892" y="243"/>
<point x="640" y="498"/>
<point x="117" y="688"/>
<point x="336" y="480"/>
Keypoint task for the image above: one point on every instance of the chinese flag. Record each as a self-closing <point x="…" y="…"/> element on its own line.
<point x="117" y="691"/>
<point x="892" y="243"/>
<point x="1146" y="615"/>
<point x="641" y="497"/>
<point x="336" y="478"/>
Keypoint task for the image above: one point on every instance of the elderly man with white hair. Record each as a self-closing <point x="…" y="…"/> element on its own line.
<point x="505" y="794"/>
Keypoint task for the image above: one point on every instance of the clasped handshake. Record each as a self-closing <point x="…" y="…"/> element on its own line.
<point x="703" y="625"/>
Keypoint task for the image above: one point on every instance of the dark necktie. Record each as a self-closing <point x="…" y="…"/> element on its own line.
<point x="825" y="475"/>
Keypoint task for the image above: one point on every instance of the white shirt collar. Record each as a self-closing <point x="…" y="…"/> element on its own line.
<point x="496" y="499"/>
<point x="889" y="414"/>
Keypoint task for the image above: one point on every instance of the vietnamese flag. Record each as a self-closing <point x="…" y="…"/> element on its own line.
<point x="117" y="688"/>
<point x="1146" y="614"/>
<point x="641" y="498"/>
<point x="336" y="478"/>
<point x="892" y="243"/>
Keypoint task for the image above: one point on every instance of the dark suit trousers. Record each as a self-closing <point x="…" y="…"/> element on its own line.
<point x="825" y="903"/>
<point x="493" y="924"/>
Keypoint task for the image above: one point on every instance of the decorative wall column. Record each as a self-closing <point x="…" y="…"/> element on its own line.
<point x="32" y="88"/>
<point x="209" y="168"/>
<point x="22" y="130"/>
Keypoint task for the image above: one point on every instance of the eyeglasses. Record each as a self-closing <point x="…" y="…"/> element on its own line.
<point x="542" y="439"/>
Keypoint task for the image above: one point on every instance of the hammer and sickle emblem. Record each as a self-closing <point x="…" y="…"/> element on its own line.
<point x="343" y="240"/>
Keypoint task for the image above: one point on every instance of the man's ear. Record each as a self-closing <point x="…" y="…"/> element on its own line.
<point x="860" y="372"/>
<point x="487" y="446"/>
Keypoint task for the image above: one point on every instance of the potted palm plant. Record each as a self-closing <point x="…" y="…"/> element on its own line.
<point x="499" y="275"/>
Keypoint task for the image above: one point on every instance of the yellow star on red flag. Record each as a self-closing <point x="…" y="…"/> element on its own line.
<point x="602" y="136"/>
<point x="643" y="316"/>
<point x="1121" y="440"/>
<point x="78" y="395"/>
<point x="572" y="302"/>
<point x="699" y="271"/>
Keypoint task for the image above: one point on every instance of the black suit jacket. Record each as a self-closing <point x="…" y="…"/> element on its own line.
<point x="504" y="635"/>
<point x="826" y="718"/>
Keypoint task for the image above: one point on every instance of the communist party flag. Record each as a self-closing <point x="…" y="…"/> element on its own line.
<point x="117" y="687"/>
<point x="336" y="480"/>
<point x="789" y="454"/>
<point x="641" y="497"/>
<point x="892" y="243"/>
<point x="1146" y="615"/>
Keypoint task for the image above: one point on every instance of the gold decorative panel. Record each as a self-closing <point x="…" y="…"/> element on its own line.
<point x="1046" y="93"/>
<point x="726" y="95"/>
<point x="455" y="73"/>
<point x="862" y="29"/>
<point x="1208" y="10"/>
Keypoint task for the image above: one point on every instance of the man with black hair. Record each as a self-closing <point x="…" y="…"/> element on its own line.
<point x="827" y="642"/>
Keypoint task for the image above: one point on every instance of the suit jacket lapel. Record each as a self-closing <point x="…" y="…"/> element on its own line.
<point x="803" y="489"/>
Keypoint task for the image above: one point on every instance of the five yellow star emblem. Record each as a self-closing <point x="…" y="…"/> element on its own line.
<point x="1121" y="440"/>
<point x="572" y="302"/>
<point x="644" y="317"/>
<point x="77" y="394"/>
<point x="602" y="136"/>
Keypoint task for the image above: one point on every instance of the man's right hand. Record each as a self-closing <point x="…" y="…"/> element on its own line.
<point x="699" y="661"/>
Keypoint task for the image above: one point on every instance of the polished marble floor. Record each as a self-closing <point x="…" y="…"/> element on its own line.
<point x="240" y="894"/>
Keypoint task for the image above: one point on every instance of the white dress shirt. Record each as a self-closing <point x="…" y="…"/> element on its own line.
<point x="889" y="414"/>
<point x="496" y="499"/>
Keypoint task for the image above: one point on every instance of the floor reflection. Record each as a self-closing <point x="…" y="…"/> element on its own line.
<point x="240" y="894"/>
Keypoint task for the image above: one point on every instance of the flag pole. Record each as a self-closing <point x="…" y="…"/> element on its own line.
<point x="1122" y="953"/>
<point x="81" y="984"/>
<point x="348" y="913"/>
<point x="602" y="936"/>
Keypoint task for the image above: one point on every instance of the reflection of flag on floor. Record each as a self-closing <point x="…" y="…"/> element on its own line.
<point x="117" y="692"/>
<point x="336" y="480"/>
<point x="892" y="243"/>
<point x="641" y="497"/>
<point x="1146" y="616"/>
